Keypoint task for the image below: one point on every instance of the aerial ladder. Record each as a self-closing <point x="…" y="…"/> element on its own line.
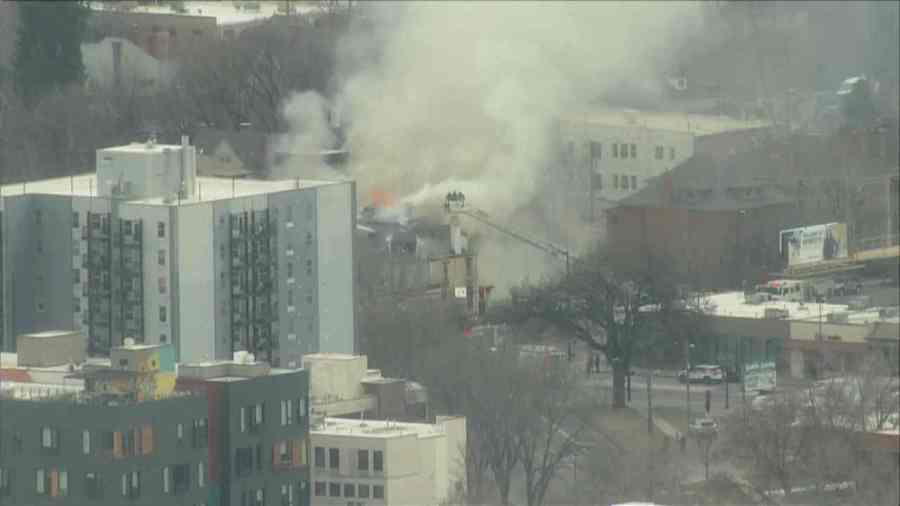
<point x="455" y="206"/>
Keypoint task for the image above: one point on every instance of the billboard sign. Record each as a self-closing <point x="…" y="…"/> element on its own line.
<point x="814" y="243"/>
<point x="459" y="292"/>
<point x="760" y="377"/>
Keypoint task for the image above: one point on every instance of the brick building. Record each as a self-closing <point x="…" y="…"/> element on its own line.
<point x="714" y="221"/>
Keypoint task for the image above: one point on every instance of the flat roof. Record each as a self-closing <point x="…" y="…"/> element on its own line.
<point x="206" y="189"/>
<point x="331" y="356"/>
<point x="375" y="428"/>
<point x="225" y="13"/>
<point x="734" y="304"/>
<point x="50" y="333"/>
<point x="697" y="124"/>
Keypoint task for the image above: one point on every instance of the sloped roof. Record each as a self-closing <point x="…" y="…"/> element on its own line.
<point x="745" y="181"/>
<point x="251" y="147"/>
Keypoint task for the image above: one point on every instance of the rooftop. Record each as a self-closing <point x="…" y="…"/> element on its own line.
<point x="375" y="428"/>
<point x="50" y="333"/>
<point x="734" y="304"/>
<point x="697" y="124"/>
<point x="207" y="188"/>
<point x="226" y="13"/>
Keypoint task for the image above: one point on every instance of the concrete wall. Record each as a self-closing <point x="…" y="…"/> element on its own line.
<point x="50" y="349"/>
<point x="335" y="377"/>
<point x="196" y="300"/>
<point x="38" y="286"/>
<point x="336" y="305"/>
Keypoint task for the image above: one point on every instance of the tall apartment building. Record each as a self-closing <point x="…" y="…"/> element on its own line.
<point x="370" y="462"/>
<point x="212" y="434"/>
<point x="613" y="153"/>
<point x="146" y="249"/>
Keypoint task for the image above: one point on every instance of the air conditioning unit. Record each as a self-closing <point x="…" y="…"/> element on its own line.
<point x="774" y="313"/>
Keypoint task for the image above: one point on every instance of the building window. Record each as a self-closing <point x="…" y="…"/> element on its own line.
<point x="615" y="150"/>
<point x="362" y="460"/>
<point x="52" y="482"/>
<point x="181" y="478"/>
<point x="378" y="461"/>
<point x="167" y="480"/>
<point x="596" y="150"/>
<point x="334" y="490"/>
<point x="319" y="489"/>
<point x="287" y="495"/>
<point x="287" y="412"/>
<point x="131" y="484"/>
<point x="301" y="409"/>
<point x="86" y="442"/>
<point x="161" y="257"/>
<point x="634" y="150"/>
<point x="349" y="490"/>
<point x="163" y="338"/>
<point x="334" y="458"/>
<point x="179" y="433"/>
<point x="76" y="304"/>
<point x="671" y="153"/>
<point x="290" y="269"/>
<point x="243" y="416"/>
<point x="50" y="440"/>
<point x="162" y="285"/>
<point x="308" y="267"/>
<point x="243" y="461"/>
<point x="162" y="314"/>
<point x="616" y="181"/>
<point x="38" y="217"/>
<point x="75" y="219"/>
<point x="256" y="419"/>
<point x="5" y="483"/>
<point x="201" y="474"/>
<point x="658" y="152"/>
<point x="634" y="182"/>
<point x="39" y="246"/>
<point x="362" y="491"/>
<point x="93" y="486"/>
<point x="319" y="457"/>
<point x="199" y="433"/>
<point x="290" y="297"/>
<point x="160" y="229"/>
<point x="378" y="492"/>
<point x="623" y="180"/>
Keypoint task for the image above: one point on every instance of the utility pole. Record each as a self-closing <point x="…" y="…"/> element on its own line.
<point x="687" y="381"/>
<point x="650" y="433"/>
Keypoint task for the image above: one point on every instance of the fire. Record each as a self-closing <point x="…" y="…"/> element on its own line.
<point x="382" y="199"/>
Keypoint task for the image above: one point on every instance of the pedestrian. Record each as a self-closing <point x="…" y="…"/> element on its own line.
<point x="597" y="363"/>
<point x="589" y="362"/>
<point x="682" y="441"/>
<point x="570" y="352"/>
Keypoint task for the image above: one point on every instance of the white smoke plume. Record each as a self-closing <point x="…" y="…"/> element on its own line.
<point x="465" y="97"/>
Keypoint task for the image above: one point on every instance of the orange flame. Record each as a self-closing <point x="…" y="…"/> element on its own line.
<point x="382" y="199"/>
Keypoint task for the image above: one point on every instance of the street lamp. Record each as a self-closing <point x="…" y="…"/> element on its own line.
<point x="687" y="380"/>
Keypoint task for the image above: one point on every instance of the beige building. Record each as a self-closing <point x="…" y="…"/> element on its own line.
<point x="387" y="463"/>
<point x="342" y="385"/>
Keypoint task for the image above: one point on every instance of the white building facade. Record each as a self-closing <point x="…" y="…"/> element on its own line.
<point x="146" y="249"/>
<point x="613" y="153"/>
<point x="366" y="462"/>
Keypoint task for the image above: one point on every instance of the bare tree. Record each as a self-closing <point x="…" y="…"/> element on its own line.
<point x="613" y="310"/>
<point x="769" y="441"/>
<point x="553" y="421"/>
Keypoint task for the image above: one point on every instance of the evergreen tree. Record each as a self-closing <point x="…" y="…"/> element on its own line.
<point x="48" y="47"/>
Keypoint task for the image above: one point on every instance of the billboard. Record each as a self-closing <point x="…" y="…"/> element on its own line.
<point x="814" y="243"/>
<point x="760" y="377"/>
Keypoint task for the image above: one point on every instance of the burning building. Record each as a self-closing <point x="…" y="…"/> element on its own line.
<point x="404" y="254"/>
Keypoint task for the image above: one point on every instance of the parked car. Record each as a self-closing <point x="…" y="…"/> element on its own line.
<point x="704" y="425"/>
<point x="704" y="373"/>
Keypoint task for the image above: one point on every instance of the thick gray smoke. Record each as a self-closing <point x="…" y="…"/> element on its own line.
<point x="466" y="95"/>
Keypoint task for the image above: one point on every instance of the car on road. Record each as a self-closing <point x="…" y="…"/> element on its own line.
<point x="705" y="425"/>
<point x="704" y="373"/>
